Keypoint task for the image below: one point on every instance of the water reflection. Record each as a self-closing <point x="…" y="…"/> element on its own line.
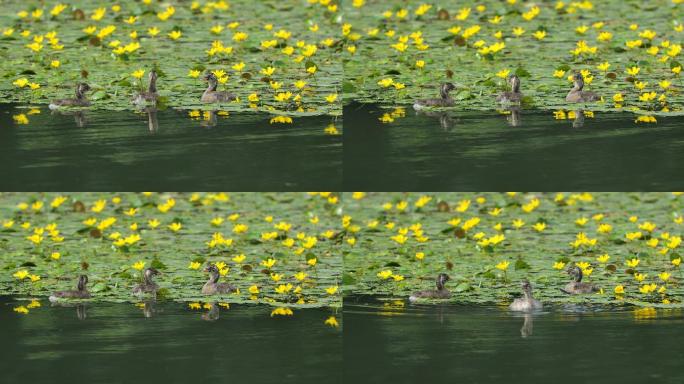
<point x="49" y="344"/>
<point x="528" y="326"/>
<point x="513" y="117"/>
<point x="148" y="308"/>
<point x="445" y="120"/>
<point x="156" y="149"/>
<point x="80" y="308"/>
<point x="473" y="344"/>
<point x="152" y="121"/>
<point x="210" y="119"/>
<point x="424" y="151"/>
<point x="213" y="313"/>
<point x="79" y="116"/>
<point x="578" y="121"/>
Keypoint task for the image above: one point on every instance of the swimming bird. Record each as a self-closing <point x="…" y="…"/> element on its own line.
<point x="147" y="286"/>
<point x="79" y="101"/>
<point x="527" y="302"/>
<point x="577" y="95"/>
<point x="514" y="95"/>
<point x="577" y="286"/>
<point x="80" y="293"/>
<point x="440" y="293"/>
<point x="212" y="286"/>
<point x="444" y="100"/>
<point x="149" y="96"/>
<point x="211" y="95"/>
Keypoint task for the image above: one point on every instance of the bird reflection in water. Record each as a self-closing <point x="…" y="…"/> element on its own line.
<point x="79" y="116"/>
<point x="213" y="313"/>
<point x="528" y="326"/>
<point x="578" y="122"/>
<point x="148" y="308"/>
<point x="80" y="308"/>
<point x="445" y="121"/>
<point x="152" y="122"/>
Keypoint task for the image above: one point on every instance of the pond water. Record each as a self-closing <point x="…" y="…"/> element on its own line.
<point x="166" y="150"/>
<point x="118" y="343"/>
<point x="524" y="150"/>
<point x="397" y="342"/>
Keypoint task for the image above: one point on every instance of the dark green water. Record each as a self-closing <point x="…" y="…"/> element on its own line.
<point x="466" y="151"/>
<point x="465" y="344"/>
<point x="124" y="151"/>
<point x="116" y="343"/>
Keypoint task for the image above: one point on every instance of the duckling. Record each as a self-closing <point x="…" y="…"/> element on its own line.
<point x="528" y="302"/>
<point x="577" y="286"/>
<point x="514" y="95"/>
<point x="211" y="95"/>
<point x="440" y="293"/>
<point x="212" y="286"/>
<point x="79" y="101"/>
<point x="443" y="101"/>
<point x="149" y="96"/>
<point x="80" y="293"/>
<point x="577" y="95"/>
<point x="147" y="286"/>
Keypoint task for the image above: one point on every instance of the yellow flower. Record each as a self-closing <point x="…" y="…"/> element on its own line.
<point x="558" y="265"/>
<point x="312" y="261"/>
<point x="603" y="258"/>
<point x="633" y="71"/>
<point x="539" y="227"/>
<point x="55" y="255"/>
<point x="21" y="309"/>
<point x="194" y="265"/>
<point x="605" y="228"/>
<point x="384" y="275"/>
<point x="603" y="66"/>
<point x="55" y="63"/>
<point x="21" y="83"/>
<point x="503" y="73"/>
<point x="503" y="265"/>
<point x="400" y="239"/>
<point x="311" y="69"/>
<point x="253" y="289"/>
<point x="21" y="274"/>
<point x="332" y="321"/>
<point x="268" y="263"/>
<point x="518" y="223"/>
<point x="283" y="288"/>
<point x="632" y="263"/>
<point x="331" y="290"/>
<point x="268" y="71"/>
<point x="619" y="290"/>
<point x="175" y="226"/>
<point x="676" y="261"/>
<point x="175" y="35"/>
<point x="331" y="98"/>
<point x="647" y="288"/>
<point x="539" y="35"/>
<point x="139" y="265"/>
<point x="559" y="73"/>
